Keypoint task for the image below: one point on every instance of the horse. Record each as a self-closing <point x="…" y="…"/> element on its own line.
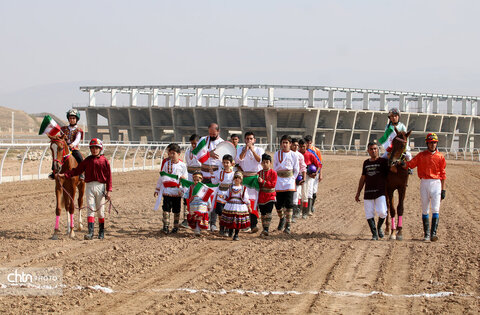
<point x="397" y="179"/>
<point x="65" y="189"/>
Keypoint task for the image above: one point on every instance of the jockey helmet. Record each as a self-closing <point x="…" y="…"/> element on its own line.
<point x="95" y="142"/>
<point x="431" y="137"/>
<point x="394" y="111"/>
<point x="73" y="112"/>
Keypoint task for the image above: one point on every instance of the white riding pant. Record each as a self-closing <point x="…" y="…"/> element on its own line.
<point x="95" y="195"/>
<point x="430" y="194"/>
<point x="312" y="186"/>
<point x="378" y="205"/>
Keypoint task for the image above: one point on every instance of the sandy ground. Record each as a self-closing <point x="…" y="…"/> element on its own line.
<point x="328" y="264"/>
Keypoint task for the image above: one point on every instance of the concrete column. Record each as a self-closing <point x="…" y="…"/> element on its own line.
<point x="271" y="125"/>
<point x="176" y="97"/>
<point x="435" y="105"/>
<point x="311" y="98"/>
<point x="207" y="101"/>
<point x="475" y="110"/>
<point x="154" y="96"/>
<point x="383" y="102"/>
<point x="113" y="97"/>
<point x="420" y="104"/>
<point x="270" y="97"/>
<point x="167" y="100"/>
<point x="133" y="97"/>
<point x="198" y="97"/>
<point x="91" y="94"/>
<point x="464" y="106"/>
<point x="348" y="100"/>
<point x="331" y="99"/>
<point x="244" y="97"/>
<point x="401" y="103"/>
<point x="449" y="105"/>
<point x="311" y="122"/>
<point x="366" y="101"/>
<point x="221" y="97"/>
<point x="187" y="101"/>
<point x="255" y="103"/>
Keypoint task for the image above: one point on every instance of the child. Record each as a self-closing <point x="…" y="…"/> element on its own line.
<point x="236" y="213"/>
<point x="73" y="136"/>
<point x="287" y="167"/>
<point x="394" y="120"/>
<point x="169" y="189"/>
<point x="267" y="178"/>
<point x="197" y="207"/>
<point x="225" y="179"/>
<point x="192" y="165"/>
<point x="301" y="191"/>
<point x="98" y="177"/>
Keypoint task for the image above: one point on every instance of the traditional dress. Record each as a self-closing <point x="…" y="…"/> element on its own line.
<point x="235" y="213"/>
<point x="224" y="181"/>
<point x="198" y="210"/>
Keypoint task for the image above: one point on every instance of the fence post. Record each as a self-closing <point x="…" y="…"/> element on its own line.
<point x="41" y="161"/>
<point x="23" y="162"/>
<point x="112" y="159"/>
<point x="124" y="157"/>
<point x="135" y="157"/>
<point x="145" y="157"/>
<point x="1" y="166"/>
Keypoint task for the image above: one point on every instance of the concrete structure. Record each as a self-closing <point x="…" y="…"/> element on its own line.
<point x="341" y="117"/>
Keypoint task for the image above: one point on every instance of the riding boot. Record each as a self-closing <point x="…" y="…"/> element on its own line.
<point x="379" y="227"/>
<point x="310" y="206"/>
<point x="304" y="212"/>
<point x="433" y="235"/>
<point x="373" y="228"/>
<point x="426" y="228"/>
<point x="294" y="214"/>
<point x="314" y="197"/>
<point x="101" y="231"/>
<point x="89" y="235"/>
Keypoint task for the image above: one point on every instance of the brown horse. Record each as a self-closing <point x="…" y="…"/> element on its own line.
<point x="65" y="189"/>
<point x="397" y="179"/>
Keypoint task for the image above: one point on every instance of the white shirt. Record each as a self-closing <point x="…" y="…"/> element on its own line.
<point x="211" y="145"/>
<point x="286" y="161"/>
<point x="249" y="163"/>
<point x="179" y="169"/>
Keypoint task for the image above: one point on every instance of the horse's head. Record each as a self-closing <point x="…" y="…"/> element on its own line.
<point x="60" y="151"/>
<point x="399" y="145"/>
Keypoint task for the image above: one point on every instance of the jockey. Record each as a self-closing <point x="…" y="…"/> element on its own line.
<point x="431" y="171"/>
<point x="394" y="120"/>
<point x="73" y="135"/>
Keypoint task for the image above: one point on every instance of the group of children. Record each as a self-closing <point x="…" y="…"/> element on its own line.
<point x="229" y="195"/>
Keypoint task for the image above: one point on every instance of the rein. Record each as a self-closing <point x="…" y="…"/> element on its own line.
<point x="110" y="206"/>
<point x="65" y="156"/>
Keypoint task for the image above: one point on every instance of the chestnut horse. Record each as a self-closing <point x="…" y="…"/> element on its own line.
<point x="397" y="179"/>
<point x="65" y="189"/>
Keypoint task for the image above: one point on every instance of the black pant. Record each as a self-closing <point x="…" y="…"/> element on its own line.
<point x="172" y="204"/>
<point x="77" y="155"/>
<point x="266" y="208"/>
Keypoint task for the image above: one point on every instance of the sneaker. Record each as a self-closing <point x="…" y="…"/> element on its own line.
<point x="247" y="230"/>
<point x="264" y="233"/>
<point x="254" y="230"/>
<point x="287" y="230"/>
<point x="213" y="228"/>
<point x="235" y="237"/>
<point x="174" y="230"/>
<point x="165" y="230"/>
<point x="184" y="224"/>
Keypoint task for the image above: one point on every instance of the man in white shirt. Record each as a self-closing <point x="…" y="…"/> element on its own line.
<point x="213" y="163"/>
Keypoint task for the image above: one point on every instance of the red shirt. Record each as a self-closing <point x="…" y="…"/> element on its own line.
<point x="311" y="159"/>
<point x="430" y="165"/>
<point x="270" y="180"/>
<point x="96" y="168"/>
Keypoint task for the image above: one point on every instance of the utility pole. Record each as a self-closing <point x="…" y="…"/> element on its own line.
<point x="13" y="124"/>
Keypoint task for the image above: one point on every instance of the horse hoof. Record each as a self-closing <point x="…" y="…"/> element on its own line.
<point x="80" y="228"/>
<point x="54" y="237"/>
<point x="392" y="236"/>
<point x="399" y="238"/>
<point x="72" y="234"/>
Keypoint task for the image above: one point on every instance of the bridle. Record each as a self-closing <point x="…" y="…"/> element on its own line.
<point x="65" y="152"/>
<point x="402" y="156"/>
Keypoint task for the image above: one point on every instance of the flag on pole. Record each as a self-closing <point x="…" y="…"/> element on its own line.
<point x="202" y="191"/>
<point x="185" y="183"/>
<point x="201" y="151"/>
<point x="252" y="183"/>
<point x="49" y="127"/>
<point x="388" y="136"/>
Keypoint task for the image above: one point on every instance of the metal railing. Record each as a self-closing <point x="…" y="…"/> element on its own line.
<point x="134" y="157"/>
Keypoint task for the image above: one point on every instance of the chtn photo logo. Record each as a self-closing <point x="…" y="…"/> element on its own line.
<point x="31" y="281"/>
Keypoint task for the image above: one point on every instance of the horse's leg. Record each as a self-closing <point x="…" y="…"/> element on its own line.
<point x="72" y="209"/>
<point x="392" y="214"/>
<point x="81" y="193"/>
<point x="387" y="219"/>
<point x="58" y="211"/>
<point x="401" y="197"/>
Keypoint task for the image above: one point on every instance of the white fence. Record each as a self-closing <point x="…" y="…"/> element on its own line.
<point x="122" y="157"/>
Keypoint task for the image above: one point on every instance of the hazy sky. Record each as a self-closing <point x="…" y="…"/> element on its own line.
<point x="428" y="46"/>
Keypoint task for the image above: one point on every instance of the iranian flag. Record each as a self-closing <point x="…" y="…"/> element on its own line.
<point x="169" y="180"/>
<point x="388" y="136"/>
<point x="49" y="127"/>
<point x="185" y="182"/>
<point x="252" y="183"/>
<point x="201" y="151"/>
<point x="202" y="191"/>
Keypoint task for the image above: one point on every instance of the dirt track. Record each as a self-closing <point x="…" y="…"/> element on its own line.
<point x="329" y="260"/>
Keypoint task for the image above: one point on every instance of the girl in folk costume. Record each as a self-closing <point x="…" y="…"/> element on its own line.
<point x="168" y="188"/>
<point x="236" y="213"/>
<point x="73" y="136"/>
<point x="197" y="206"/>
<point x="224" y="179"/>
<point x="267" y="178"/>
<point x="286" y="165"/>
<point x="192" y="165"/>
